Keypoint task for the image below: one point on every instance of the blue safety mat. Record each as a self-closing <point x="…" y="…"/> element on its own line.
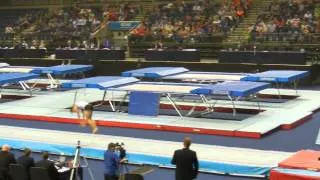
<point x="144" y="103"/>
<point x="154" y="72"/>
<point x="16" y="77"/>
<point x="298" y="172"/>
<point x="277" y="76"/>
<point x="232" y="88"/>
<point x="136" y="158"/>
<point x="62" y="69"/>
<point x="100" y="82"/>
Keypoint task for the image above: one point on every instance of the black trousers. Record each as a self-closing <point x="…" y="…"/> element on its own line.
<point x="107" y="177"/>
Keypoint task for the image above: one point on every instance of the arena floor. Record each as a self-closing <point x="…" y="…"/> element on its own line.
<point x="278" y="141"/>
<point x="45" y="118"/>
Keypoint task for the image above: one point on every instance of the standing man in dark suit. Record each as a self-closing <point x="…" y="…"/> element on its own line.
<point x="186" y="162"/>
<point x="49" y="165"/>
<point x="26" y="160"/>
<point x="6" y="158"/>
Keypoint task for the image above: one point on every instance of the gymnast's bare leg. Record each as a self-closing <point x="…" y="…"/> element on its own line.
<point x="85" y="116"/>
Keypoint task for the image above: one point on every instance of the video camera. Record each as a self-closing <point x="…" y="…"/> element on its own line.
<point x="122" y="151"/>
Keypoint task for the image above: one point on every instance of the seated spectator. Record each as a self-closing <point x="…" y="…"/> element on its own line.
<point x="308" y="16"/>
<point x="252" y="33"/>
<point x="9" y="30"/>
<point x="240" y="12"/>
<point x="42" y="45"/>
<point x="294" y="24"/>
<point x="26" y="160"/>
<point x="158" y="45"/>
<point x="24" y="45"/>
<point x="271" y="29"/>
<point x="197" y="7"/>
<point x="140" y="31"/>
<point x="48" y="165"/>
<point x="318" y="26"/>
<point x="6" y="158"/>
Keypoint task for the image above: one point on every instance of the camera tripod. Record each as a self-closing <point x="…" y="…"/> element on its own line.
<point x="124" y="167"/>
<point x="77" y="163"/>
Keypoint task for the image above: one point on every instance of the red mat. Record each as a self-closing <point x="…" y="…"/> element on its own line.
<point x="305" y="159"/>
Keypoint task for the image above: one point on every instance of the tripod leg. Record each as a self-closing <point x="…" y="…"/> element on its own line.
<point x="89" y="169"/>
<point x="75" y="163"/>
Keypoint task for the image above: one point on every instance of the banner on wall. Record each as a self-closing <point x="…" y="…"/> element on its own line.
<point x="122" y="25"/>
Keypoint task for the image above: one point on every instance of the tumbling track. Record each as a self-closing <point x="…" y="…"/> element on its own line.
<point x="216" y="159"/>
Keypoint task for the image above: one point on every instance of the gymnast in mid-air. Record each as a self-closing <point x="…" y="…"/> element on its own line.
<point x="84" y="111"/>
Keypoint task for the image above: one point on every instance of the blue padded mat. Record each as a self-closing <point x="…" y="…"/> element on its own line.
<point x="62" y="69"/>
<point x="279" y="76"/>
<point x="232" y="88"/>
<point x="135" y="158"/>
<point x="144" y="103"/>
<point x="16" y="77"/>
<point x="100" y="82"/>
<point x="154" y="72"/>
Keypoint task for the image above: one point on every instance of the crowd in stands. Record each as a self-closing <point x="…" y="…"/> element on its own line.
<point x="67" y="22"/>
<point x="75" y="23"/>
<point x="178" y="20"/>
<point x="80" y="22"/>
<point x="18" y="20"/>
<point x="286" y="20"/>
<point x="181" y="20"/>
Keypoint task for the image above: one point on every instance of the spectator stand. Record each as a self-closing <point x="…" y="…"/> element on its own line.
<point x="190" y="25"/>
<point x="281" y="26"/>
<point x="80" y="23"/>
<point x="13" y="22"/>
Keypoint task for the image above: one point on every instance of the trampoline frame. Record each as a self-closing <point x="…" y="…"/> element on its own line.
<point x="173" y="98"/>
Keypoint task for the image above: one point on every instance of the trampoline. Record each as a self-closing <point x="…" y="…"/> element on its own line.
<point x="52" y="71"/>
<point x="182" y="74"/>
<point x="233" y="90"/>
<point x="21" y="78"/>
<point x="278" y="77"/>
<point x="6" y="68"/>
<point x="10" y="78"/>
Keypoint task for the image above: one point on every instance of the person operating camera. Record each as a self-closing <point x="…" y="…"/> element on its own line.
<point x="111" y="163"/>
